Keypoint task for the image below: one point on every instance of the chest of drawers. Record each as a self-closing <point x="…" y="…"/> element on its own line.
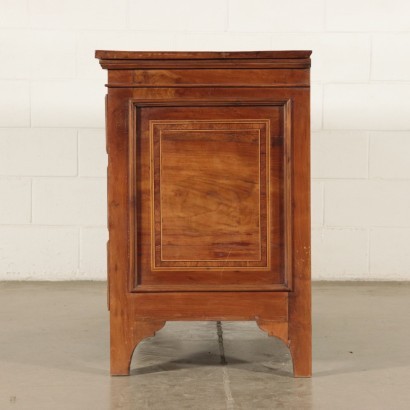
<point x="208" y="194"/>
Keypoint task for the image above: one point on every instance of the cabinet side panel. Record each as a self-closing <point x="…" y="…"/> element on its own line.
<point x="300" y="325"/>
<point x="117" y="147"/>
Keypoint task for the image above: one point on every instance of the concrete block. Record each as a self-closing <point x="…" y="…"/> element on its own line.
<point x="276" y="16"/>
<point x="70" y="201"/>
<point x="14" y="13"/>
<point x="367" y="15"/>
<point x="93" y="253"/>
<point x="339" y="254"/>
<point x="389" y="253"/>
<point x="14" y="104"/>
<point x="68" y="103"/>
<point x="78" y="14"/>
<point x="178" y="15"/>
<point x="38" y="253"/>
<point x="92" y="153"/>
<point x="14" y="53"/>
<point x="38" y="151"/>
<point x="367" y="203"/>
<point x="316" y="106"/>
<point x="366" y="106"/>
<point x="317" y="205"/>
<point x="339" y="154"/>
<point x="389" y="155"/>
<point x="52" y="54"/>
<point x="391" y="57"/>
<point x="15" y="201"/>
<point x="222" y="41"/>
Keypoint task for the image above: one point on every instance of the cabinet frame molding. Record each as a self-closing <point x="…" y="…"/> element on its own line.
<point x="134" y="278"/>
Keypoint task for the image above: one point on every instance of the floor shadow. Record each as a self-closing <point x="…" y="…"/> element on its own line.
<point x="194" y="360"/>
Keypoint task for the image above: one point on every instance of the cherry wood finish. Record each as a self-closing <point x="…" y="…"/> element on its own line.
<point x="208" y="194"/>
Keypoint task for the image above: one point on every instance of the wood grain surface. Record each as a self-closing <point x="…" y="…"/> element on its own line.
<point x="208" y="194"/>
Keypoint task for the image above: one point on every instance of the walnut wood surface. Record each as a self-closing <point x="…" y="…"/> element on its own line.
<point x="208" y="194"/>
<point x="200" y="60"/>
<point x="213" y="208"/>
<point x="200" y="55"/>
<point x="206" y="78"/>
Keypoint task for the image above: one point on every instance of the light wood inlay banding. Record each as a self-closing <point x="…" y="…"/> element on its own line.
<point x="195" y="180"/>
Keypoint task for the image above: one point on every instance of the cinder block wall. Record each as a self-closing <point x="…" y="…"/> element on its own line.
<point x="52" y="156"/>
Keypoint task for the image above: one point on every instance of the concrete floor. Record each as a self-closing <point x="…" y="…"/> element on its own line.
<point x="54" y="354"/>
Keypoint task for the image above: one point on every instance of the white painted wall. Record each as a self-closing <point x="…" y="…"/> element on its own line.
<point x="52" y="156"/>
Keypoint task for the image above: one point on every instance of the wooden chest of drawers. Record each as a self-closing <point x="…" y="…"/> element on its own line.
<point x="208" y="194"/>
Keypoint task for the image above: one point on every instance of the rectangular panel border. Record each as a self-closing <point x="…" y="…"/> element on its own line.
<point x="134" y="283"/>
<point x="154" y="267"/>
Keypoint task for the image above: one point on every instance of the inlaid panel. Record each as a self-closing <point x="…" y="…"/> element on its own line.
<point x="210" y="203"/>
<point x="210" y="185"/>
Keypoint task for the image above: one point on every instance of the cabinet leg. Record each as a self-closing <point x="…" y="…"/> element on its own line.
<point x="124" y="340"/>
<point x="301" y="358"/>
<point x="299" y="344"/>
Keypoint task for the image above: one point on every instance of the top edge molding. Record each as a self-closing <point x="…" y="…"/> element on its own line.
<point x="129" y="60"/>
<point x="201" y="55"/>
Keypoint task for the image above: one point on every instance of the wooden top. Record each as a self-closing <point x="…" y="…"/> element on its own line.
<point x="203" y="59"/>
<point x="199" y="55"/>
